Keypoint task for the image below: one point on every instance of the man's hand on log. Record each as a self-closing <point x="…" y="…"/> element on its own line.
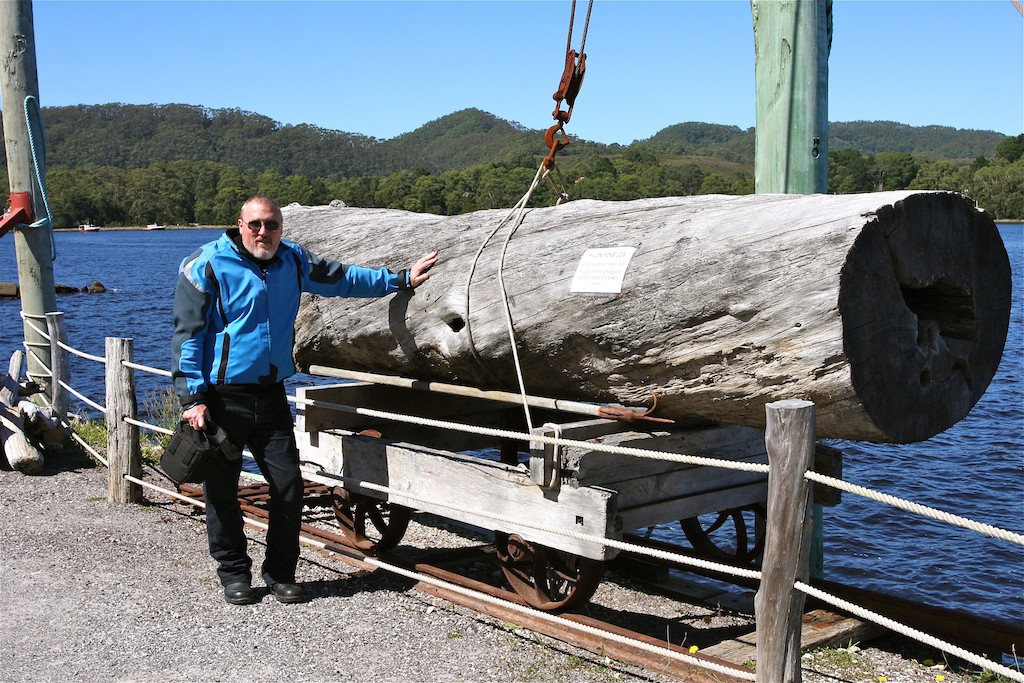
<point x="418" y="273"/>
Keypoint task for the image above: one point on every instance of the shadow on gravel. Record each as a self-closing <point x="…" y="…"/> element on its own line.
<point x="67" y="459"/>
<point x="673" y="630"/>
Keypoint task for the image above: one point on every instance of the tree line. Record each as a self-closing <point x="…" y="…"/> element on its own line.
<point x="210" y="193"/>
<point x="118" y="165"/>
<point x="996" y="184"/>
<point x="136" y="136"/>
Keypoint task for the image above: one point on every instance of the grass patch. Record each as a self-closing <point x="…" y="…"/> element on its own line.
<point x="93" y="432"/>
<point x="987" y="676"/>
<point x="846" y="661"/>
<point x="162" y="409"/>
<point x="159" y="408"/>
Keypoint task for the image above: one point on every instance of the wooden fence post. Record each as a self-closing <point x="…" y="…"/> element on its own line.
<point x="778" y="606"/>
<point x="59" y="369"/>
<point x="124" y="454"/>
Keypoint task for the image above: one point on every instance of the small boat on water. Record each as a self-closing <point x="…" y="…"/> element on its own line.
<point x="88" y="227"/>
<point x="154" y="226"/>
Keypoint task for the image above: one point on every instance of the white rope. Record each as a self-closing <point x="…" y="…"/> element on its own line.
<point x="46" y="335"/>
<point x="483" y="597"/>
<point x="37" y="359"/>
<point x="923" y="510"/>
<point x="147" y="425"/>
<point x="750" y="574"/>
<point x="84" y="398"/>
<point x="939" y="515"/>
<point x="520" y="215"/>
<point x="42" y="333"/>
<point x="30" y="354"/>
<point x="84" y="444"/>
<point x="910" y="506"/>
<point x="579" y="536"/>
<point x="607" y="542"/>
<point x="541" y="438"/>
<point x="566" y="623"/>
<point x="183" y="498"/>
<point x="33" y="376"/>
<point x="146" y="368"/>
<point x="469" y="282"/>
<point x="909" y="632"/>
<point x="82" y="354"/>
<point x="518" y="212"/>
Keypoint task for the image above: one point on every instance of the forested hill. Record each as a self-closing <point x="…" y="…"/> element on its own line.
<point x="137" y="136"/>
<point x="937" y="143"/>
<point x="121" y="164"/>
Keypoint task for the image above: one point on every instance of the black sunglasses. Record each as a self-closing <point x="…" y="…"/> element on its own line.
<point x="271" y="226"/>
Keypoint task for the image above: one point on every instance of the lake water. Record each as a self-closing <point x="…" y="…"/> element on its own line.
<point x="975" y="469"/>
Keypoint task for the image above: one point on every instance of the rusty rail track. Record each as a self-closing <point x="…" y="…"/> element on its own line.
<point x="253" y="496"/>
<point x="959" y="627"/>
<point x="964" y="629"/>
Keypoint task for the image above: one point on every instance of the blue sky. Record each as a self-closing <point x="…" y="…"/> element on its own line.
<point x="385" y="68"/>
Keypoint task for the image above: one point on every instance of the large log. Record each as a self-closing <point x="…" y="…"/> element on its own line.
<point x="888" y="310"/>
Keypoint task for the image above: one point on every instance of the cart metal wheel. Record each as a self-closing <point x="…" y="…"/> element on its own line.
<point x="387" y="522"/>
<point x="546" y="578"/>
<point x="735" y="535"/>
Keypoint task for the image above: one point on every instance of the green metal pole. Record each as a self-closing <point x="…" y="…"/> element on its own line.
<point x="18" y="83"/>
<point x="792" y="39"/>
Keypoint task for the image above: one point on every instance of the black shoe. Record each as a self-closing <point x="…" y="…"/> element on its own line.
<point x="239" y="594"/>
<point x="289" y="593"/>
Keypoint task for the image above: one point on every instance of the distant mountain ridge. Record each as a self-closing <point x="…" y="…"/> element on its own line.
<point x="136" y="136"/>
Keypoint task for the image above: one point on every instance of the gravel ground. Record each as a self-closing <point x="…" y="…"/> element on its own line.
<point x="93" y="591"/>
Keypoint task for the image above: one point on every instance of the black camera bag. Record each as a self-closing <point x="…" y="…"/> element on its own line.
<point x="190" y="453"/>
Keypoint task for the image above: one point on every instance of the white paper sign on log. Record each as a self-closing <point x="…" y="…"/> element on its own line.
<point x="887" y="310"/>
<point x="601" y="270"/>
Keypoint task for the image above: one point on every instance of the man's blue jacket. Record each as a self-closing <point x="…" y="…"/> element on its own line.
<point x="234" y="316"/>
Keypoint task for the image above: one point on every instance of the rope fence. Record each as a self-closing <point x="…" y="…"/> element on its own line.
<point x="560" y="531"/>
<point x="83" y="398"/>
<point x="808" y="474"/>
<point x="539" y="438"/>
<point x="917" y="508"/>
<point x="477" y="595"/>
<point x="83" y="443"/>
<point x="909" y="632"/>
<point x="81" y="354"/>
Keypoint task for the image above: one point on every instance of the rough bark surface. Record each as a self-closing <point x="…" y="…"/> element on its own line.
<point x="888" y="310"/>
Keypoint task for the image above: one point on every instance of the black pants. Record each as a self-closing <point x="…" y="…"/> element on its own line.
<point x="257" y="417"/>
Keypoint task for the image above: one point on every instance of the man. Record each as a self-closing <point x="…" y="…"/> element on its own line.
<point x="234" y="315"/>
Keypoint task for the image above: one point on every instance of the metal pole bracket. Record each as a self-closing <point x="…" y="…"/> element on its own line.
<point x="546" y="459"/>
<point x="20" y="212"/>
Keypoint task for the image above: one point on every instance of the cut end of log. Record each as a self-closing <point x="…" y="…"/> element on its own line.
<point x="925" y="303"/>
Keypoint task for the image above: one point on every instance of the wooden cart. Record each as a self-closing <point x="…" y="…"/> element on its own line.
<point x="383" y="469"/>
